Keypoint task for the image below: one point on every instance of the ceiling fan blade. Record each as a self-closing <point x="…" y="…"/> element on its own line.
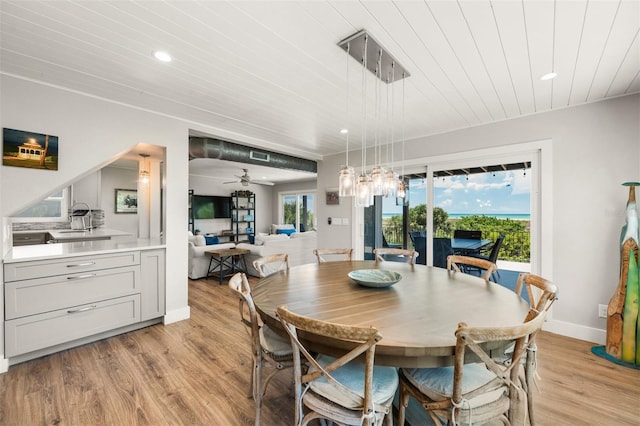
<point x="233" y="181"/>
<point x="262" y="182"/>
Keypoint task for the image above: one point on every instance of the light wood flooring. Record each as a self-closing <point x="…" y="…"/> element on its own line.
<point x="196" y="372"/>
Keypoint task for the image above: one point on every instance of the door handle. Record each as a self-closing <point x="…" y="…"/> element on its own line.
<point x="86" y="308"/>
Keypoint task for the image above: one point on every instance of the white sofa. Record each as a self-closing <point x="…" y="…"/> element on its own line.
<point x="299" y="246"/>
<point x="198" y="261"/>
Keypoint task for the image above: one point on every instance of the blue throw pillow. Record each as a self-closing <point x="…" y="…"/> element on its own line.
<point x="285" y="231"/>
<point x="211" y="240"/>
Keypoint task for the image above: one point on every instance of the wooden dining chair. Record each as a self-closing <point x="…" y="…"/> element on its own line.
<point x="464" y="264"/>
<point x="341" y="390"/>
<point x="472" y="392"/>
<point x="333" y="254"/>
<point x="384" y="254"/>
<point x="268" y="349"/>
<point x="546" y="292"/>
<point x="268" y="265"/>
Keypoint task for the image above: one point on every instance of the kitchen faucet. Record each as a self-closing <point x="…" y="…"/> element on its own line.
<point x="77" y="217"/>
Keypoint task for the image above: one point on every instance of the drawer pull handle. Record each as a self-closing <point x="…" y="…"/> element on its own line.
<point x="87" y="308"/>
<point x="81" y="264"/>
<point x="79" y="277"/>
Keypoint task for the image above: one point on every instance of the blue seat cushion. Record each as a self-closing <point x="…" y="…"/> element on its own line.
<point x="437" y="383"/>
<point x="385" y="383"/>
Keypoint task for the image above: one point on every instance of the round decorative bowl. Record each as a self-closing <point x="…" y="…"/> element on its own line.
<point x="377" y="278"/>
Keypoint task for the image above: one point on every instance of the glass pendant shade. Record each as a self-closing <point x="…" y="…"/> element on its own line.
<point x="364" y="191"/>
<point x="347" y="182"/>
<point x="390" y="183"/>
<point x="377" y="180"/>
<point x="401" y="192"/>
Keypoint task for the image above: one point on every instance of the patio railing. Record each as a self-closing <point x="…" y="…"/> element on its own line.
<point x="516" y="246"/>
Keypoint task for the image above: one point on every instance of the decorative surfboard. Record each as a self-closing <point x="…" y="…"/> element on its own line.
<point x="623" y="338"/>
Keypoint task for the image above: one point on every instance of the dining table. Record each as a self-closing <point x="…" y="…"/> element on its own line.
<point x="417" y="316"/>
<point x="468" y="245"/>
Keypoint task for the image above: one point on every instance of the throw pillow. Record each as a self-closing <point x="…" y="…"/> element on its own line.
<point x="285" y="231"/>
<point x="211" y="240"/>
<point x="199" y="240"/>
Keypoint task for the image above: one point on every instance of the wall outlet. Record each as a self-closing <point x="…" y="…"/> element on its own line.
<point x="602" y="311"/>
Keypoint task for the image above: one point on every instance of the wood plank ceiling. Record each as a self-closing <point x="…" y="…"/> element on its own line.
<point x="270" y="73"/>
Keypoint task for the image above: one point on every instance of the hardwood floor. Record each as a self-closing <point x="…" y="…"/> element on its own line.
<point x="196" y="372"/>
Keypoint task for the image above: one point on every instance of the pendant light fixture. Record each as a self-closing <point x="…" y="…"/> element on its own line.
<point x="144" y="172"/>
<point x="382" y="180"/>
<point x="347" y="176"/>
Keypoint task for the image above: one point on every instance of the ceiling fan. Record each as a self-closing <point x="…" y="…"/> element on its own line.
<point x="245" y="180"/>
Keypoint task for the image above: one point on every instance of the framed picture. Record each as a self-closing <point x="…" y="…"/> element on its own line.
<point x="126" y="201"/>
<point x="333" y="197"/>
<point x="29" y="149"/>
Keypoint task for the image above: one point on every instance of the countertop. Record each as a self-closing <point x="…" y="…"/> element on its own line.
<point x="80" y="248"/>
<point x="61" y="235"/>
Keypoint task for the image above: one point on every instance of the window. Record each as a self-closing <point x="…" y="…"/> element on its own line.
<point x="51" y="209"/>
<point x="298" y="210"/>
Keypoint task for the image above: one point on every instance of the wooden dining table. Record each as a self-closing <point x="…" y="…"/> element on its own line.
<point x="417" y="316"/>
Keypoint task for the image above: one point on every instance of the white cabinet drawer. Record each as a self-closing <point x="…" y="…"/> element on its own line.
<point x="70" y="265"/>
<point x="39" y="295"/>
<point x="35" y="332"/>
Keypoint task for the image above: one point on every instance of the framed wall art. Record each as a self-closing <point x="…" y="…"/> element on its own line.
<point x="126" y="201"/>
<point x="333" y="196"/>
<point x="28" y="149"/>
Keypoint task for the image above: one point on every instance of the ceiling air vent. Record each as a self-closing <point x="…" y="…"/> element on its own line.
<point x="260" y="156"/>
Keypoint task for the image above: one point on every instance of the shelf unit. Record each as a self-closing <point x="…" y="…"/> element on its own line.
<point x="192" y="219"/>
<point x="243" y="220"/>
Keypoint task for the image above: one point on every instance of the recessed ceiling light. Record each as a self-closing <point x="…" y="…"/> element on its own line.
<point x="162" y="56"/>
<point x="549" y="76"/>
<point x="343" y="131"/>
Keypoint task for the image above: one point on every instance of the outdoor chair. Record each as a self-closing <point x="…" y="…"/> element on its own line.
<point x="341" y="390"/>
<point x="467" y="234"/>
<point x="333" y="254"/>
<point x="268" y="349"/>
<point x="493" y="253"/>
<point x="395" y="255"/>
<point x="441" y="249"/>
<point x="465" y="264"/>
<point x="268" y="265"/>
<point x="471" y="392"/>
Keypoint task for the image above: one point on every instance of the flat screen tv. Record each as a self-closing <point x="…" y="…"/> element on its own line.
<point x="211" y="207"/>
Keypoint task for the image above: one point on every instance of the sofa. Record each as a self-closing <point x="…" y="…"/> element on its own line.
<point x="299" y="246"/>
<point x="198" y="260"/>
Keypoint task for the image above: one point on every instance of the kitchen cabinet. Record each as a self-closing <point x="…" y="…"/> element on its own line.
<point x="55" y="303"/>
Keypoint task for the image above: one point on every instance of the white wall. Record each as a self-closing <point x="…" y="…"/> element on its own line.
<point x="595" y="147"/>
<point x="113" y="178"/>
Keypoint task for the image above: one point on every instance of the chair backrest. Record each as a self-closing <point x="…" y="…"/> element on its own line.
<point x="249" y="316"/>
<point x="441" y="249"/>
<point x="333" y="254"/>
<point x="467" y="234"/>
<point x="420" y="245"/>
<point x="395" y="255"/>
<point x="547" y="291"/>
<point x="470" y="340"/>
<point x="268" y="265"/>
<point x="495" y="250"/>
<point x="364" y="339"/>
<point x="457" y="263"/>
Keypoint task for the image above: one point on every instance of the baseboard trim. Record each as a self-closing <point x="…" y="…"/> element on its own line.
<point x="576" y="331"/>
<point x="4" y="365"/>
<point x="177" y="315"/>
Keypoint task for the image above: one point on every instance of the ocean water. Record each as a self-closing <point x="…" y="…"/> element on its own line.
<point x="512" y="216"/>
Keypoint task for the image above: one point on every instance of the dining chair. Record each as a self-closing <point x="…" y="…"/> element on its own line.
<point x="341" y="390"/>
<point x="395" y="255"/>
<point x="472" y="392"/>
<point x="333" y="254"/>
<point x="460" y="263"/>
<point x="546" y="292"/>
<point x="268" y="349"/>
<point x="268" y="265"/>
<point x="441" y="249"/>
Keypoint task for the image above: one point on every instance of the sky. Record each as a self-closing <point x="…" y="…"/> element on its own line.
<point x="507" y="192"/>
